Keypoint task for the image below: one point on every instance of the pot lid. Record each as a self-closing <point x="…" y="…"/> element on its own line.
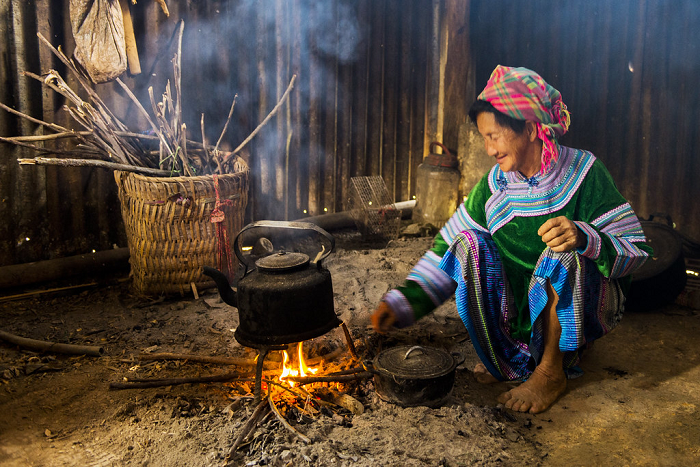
<point x="282" y="261"/>
<point x="414" y="362"/>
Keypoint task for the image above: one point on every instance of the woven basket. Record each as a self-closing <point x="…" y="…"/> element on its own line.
<point x="169" y="230"/>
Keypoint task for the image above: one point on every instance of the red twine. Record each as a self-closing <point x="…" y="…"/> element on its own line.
<point x="224" y="254"/>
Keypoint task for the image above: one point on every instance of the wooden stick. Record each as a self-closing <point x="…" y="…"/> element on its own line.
<point x="351" y="344"/>
<point x="84" y="82"/>
<point x="177" y="76"/>
<point x="286" y="424"/>
<point x="45" y="346"/>
<point x="53" y="126"/>
<point x="247" y="428"/>
<point x="163" y="7"/>
<point x="262" y="124"/>
<point x="65" y="134"/>
<point x="35" y="148"/>
<point x="93" y="163"/>
<point x="183" y="151"/>
<point x="132" y="54"/>
<point x="155" y="129"/>
<point x="206" y="359"/>
<point x="302" y="380"/>
<point x="8" y="298"/>
<point x="223" y="132"/>
<point x="325" y="358"/>
<point x="137" y="383"/>
<point x="349" y="371"/>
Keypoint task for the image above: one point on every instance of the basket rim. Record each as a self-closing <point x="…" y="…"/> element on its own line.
<point x="181" y="178"/>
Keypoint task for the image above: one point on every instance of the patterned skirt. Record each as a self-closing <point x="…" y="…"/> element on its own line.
<point x="589" y="306"/>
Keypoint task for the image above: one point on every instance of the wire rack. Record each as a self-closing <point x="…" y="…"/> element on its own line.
<point x="373" y="210"/>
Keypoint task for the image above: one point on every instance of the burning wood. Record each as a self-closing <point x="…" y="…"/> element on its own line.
<point x="107" y="142"/>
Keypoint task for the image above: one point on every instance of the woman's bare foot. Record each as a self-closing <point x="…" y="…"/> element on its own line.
<point x="537" y="393"/>
<point x="482" y="375"/>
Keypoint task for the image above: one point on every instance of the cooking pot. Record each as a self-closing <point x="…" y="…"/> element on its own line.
<point x="662" y="277"/>
<point x="414" y="375"/>
<point x="285" y="297"/>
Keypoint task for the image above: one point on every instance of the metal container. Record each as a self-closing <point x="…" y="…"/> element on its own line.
<point x="286" y="298"/>
<point x="662" y="277"/>
<point x="414" y="375"/>
<point x="437" y="188"/>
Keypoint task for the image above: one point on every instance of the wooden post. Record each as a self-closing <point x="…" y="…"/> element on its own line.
<point x="132" y="54"/>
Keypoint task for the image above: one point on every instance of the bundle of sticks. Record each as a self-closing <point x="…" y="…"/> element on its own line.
<point x="105" y="141"/>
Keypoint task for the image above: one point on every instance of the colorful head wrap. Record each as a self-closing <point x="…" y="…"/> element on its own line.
<point x="523" y="94"/>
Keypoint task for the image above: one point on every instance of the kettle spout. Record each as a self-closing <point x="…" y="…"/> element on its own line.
<point x="227" y="293"/>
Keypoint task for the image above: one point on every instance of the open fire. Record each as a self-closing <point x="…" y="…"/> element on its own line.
<point x="288" y="366"/>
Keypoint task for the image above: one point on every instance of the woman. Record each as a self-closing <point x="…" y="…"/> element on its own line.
<point x="539" y="254"/>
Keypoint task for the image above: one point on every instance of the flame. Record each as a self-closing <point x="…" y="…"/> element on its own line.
<point x="303" y="369"/>
<point x="288" y="371"/>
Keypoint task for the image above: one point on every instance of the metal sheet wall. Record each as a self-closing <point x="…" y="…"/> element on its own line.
<point x="357" y="107"/>
<point x="625" y="69"/>
<point x="628" y="71"/>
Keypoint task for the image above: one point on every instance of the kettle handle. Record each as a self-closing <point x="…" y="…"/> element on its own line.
<point x="445" y="151"/>
<point x="284" y="225"/>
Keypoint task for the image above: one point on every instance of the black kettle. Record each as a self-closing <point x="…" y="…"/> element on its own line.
<point x="285" y="297"/>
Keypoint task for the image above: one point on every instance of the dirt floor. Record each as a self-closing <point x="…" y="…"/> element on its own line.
<point x="637" y="403"/>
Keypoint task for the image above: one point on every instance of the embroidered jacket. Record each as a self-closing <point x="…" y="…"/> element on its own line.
<point x="511" y="208"/>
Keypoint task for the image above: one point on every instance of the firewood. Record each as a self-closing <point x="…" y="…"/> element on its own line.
<point x="44" y="346"/>
<point x="343" y="400"/>
<point x="93" y="163"/>
<point x="139" y="383"/>
<point x="205" y="359"/>
<point x="286" y="424"/>
<point x="250" y="425"/>
<point x="329" y="379"/>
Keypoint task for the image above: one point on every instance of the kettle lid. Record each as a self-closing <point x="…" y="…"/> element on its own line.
<point x="282" y="261"/>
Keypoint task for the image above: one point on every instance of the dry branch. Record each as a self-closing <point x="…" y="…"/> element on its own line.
<point x="286" y="424"/>
<point x="45" y="346"/>
<point x="109" y="139"/>
<point x="138" y="383"/>
<point x="262" y="124"/>
<point x="206" y="359"/>
<point x="247" y="428"/>
<point x="93" y="163"/>
<point x="52" y="126"/>
<point x="329" y="379"/>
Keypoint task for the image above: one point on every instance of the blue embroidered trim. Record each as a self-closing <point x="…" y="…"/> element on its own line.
<point x="502" y="183"/>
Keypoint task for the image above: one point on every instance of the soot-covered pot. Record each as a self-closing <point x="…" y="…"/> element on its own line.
<point x="414" y="375"/>
<point x="286" y="298"/>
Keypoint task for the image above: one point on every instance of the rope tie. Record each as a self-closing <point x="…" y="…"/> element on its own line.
<point x="224" y="254"/>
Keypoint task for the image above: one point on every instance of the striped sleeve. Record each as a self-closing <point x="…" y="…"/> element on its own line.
<point x="616" y="241"/>
<point x="620" y="234"/>
<point x="427" y="286"/>
<point x="459" y="222"/>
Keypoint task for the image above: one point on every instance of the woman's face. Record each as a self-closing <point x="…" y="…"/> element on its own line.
<point x="511" y="150"/>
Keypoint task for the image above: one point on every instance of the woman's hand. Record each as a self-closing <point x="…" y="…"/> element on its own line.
<point x="383" y="318"/>
<point x="561" y="235"/>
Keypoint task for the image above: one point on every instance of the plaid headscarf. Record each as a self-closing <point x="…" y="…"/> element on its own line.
<point x="523" y="94"/>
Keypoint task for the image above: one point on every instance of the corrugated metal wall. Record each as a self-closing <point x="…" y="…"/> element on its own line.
<point x="357" y="107"/>
<point x="626" y="70"/>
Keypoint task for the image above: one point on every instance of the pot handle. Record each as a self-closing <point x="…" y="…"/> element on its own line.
<point x="415" y="347"/>
<point x="669" y="221"/>
<point x="285" y="225"/>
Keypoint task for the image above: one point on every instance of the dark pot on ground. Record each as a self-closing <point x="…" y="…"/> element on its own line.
<point x="414" y="375"/>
